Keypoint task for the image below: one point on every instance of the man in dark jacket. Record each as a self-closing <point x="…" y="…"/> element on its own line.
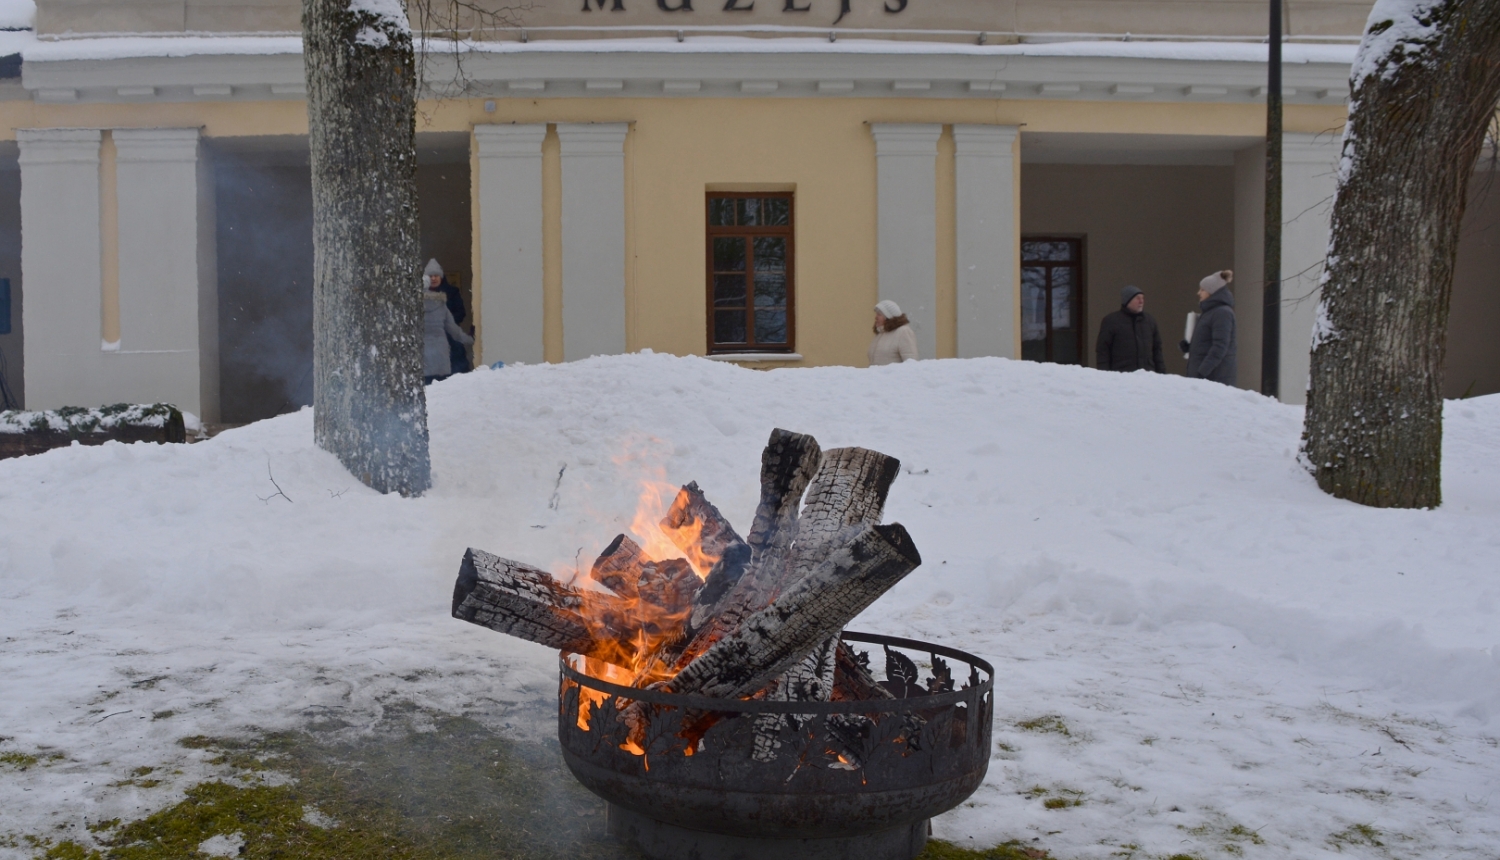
<point x="1211" y="355"/>
<point x="1128" y="338"/>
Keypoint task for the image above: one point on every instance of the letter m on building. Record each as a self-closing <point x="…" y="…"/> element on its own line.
<point x="619" y="5"/>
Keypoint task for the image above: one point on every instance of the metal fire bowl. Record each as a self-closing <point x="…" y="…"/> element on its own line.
<point x="916" y="757"/>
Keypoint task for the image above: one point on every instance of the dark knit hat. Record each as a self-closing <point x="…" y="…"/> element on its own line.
<point x="1129" y="293"/>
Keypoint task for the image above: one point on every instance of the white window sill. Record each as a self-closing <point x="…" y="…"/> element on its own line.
<point x="755" y="356"/>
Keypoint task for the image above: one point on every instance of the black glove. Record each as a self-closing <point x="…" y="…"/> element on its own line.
<point x="1184" y="346"/>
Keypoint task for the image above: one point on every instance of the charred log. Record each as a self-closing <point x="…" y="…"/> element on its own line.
<point x="869" y="561"/>
<point x="518" y="599"/>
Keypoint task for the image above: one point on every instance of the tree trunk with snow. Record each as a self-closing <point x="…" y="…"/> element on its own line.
<point x="369" y="408"/>
<point x="1425" y="85"/>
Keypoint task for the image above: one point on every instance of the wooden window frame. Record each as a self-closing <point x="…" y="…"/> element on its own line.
<point x="788" y="231"/>
<point x="1082" y="289"/>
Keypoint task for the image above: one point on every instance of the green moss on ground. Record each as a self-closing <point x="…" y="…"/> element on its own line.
<point x="937" y="849"/>
<point x="455" y="793"/>
<point x="1048" y="724"/>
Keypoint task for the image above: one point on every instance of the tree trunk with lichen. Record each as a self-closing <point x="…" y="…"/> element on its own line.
<point x="1425" y="87"/>
<point x="369" y="408"/>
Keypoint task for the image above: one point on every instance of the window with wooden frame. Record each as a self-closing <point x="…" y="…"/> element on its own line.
<point x="1052" y="292"/>
<point x="750" y="265"/>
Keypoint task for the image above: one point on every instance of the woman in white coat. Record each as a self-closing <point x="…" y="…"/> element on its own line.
<point x="894" y="341"/>
<point x="437" y="327"/>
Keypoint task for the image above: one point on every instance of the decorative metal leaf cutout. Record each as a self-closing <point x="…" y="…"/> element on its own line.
<point x="900" y="675"/>
<point x="942" y="677"/>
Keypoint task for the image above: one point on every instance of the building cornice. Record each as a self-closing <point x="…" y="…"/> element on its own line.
<point x="578" y="70"/>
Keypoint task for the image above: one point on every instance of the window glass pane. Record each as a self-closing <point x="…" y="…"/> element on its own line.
<point x="748" y="209"/>
<point x="1049" y="251"/>
<point x="770" y="271"/>
<point x="1033" y="304"/>
<point x="720" y="212"/>
<point x="770" y="326"/>
<point x="1062" y="298"/>
<point x="1065" y="346"/>
<point x="729" y="254"/>
<point x="729" y="291"/>
<point x="777" y="211"/>
<point x="729" y="326"/>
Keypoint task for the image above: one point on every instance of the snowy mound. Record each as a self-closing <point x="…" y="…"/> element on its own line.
<point x="1139" y="555"/>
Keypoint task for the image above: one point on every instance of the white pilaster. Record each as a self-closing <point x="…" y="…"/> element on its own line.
<point x="168" y="287"/>
<point x="1309" y="164"/>
<point x="60" y="263"/>
<point x="906" y="213"/>
<point x="510" y="241"/>
<point x="988" y="239"/>
<point x="593" y="238"/>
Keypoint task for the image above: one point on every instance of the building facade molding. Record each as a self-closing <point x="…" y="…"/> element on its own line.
<point x="576" y="73"/>
<point x="593" y="238"/>
<point x="906" y="223"/>
<point x="987" y="197"/>
<point x="511" y="315"/>
<point x="156" y="144"/>
<point x="1308" y="175"/>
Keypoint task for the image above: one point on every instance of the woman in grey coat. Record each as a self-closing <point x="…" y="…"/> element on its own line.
<point x="1211" y="355"/>
<point x="437" y="327"/>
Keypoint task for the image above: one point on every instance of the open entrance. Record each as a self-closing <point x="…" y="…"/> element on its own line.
<point x="265" y="254"/>
<point x="12" y="357"/>
<point x="1159" y="214"/>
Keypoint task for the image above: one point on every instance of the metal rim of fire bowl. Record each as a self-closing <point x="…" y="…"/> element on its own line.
<point x="721" y="789"/>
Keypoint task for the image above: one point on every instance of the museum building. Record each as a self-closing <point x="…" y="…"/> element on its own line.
<point x="738" y="179"/>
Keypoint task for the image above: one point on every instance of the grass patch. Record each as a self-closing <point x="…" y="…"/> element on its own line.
<point x="19" y="761"/>
<point x="461" y="792"/>
<point x="1060" y="798"/>
<point x="1229" y="835"/>
<point x="937" y="849"/>
<point x="1356" y="834"/>
<point x="1048" y="724"/>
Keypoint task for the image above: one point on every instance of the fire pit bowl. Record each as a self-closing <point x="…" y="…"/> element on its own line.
<point x="840" y="780"/>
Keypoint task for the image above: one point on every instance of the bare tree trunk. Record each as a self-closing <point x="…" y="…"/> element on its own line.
<point x="1425" y="85"/>
<point x="369" y="408"/>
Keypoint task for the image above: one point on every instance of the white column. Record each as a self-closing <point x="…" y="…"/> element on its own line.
<point x="1249" y="262"/>
<point x="988" y="239"/>
<point x="510" y="241"/>
<point x="1309" y="163"/>
<point x="168" y="287"/>
<point x="60" y="263"/>
<point x="906" y="213"/>
<point x="593" y="238"/>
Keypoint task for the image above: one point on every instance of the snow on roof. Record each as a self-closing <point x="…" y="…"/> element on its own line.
<point x="121" y="47"/>
<point x="17" y="14"/>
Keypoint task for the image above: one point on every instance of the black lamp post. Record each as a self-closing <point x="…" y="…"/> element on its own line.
<point x="1270" y="340"/>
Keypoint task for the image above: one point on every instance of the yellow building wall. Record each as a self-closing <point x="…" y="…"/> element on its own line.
<point x="679" y="148"/>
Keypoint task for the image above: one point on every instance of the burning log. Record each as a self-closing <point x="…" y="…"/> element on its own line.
<point x="764" y="620"/>
<point x="515" y="598"/>
<point x="866" y="564"/>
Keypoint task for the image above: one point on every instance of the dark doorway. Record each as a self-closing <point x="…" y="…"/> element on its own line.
<point x="12" y="352"/>
<point x="1052" y="292"/>
<point x="265" y="254"/>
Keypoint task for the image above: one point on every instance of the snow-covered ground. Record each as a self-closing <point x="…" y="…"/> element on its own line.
<point x="1241" y="664"/>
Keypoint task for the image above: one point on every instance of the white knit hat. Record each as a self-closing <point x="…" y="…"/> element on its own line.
<point x="433" y="268"/>
<point x="1215" y="282"/>
<point x="888" y="309"/>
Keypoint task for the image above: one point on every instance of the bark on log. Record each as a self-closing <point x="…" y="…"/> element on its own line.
<point x="869" y="560"/>
<point x="852" y="680"/>
<point x="618" y="568"/>
<point x="1425" y="88"/>
<point x="528" y="603"/>
<point x="369" y="406"/>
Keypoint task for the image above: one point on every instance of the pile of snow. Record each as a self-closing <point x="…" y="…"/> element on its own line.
<point x="1230" y="651"/>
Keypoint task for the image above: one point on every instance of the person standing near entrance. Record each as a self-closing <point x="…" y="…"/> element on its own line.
<point x="894" y="341"/>
<point x="1211" y="354"/>
<point x="1128" y="338"/>
<point x="438" y="280"/>
<point x="438" y="329"/>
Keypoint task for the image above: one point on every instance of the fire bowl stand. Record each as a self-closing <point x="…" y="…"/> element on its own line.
<point x="846" y="780"/>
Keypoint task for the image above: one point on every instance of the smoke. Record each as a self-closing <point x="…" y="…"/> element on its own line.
<point x="265" y="255"/>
